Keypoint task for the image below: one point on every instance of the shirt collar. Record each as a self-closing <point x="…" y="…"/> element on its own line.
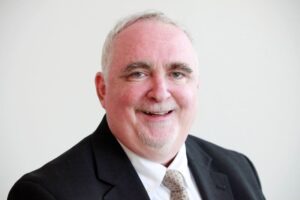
<point x="152" y="173"/>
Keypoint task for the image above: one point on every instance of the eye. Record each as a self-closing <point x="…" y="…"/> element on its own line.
<point x="136" y="75"/>
<point x="177" y="75"/>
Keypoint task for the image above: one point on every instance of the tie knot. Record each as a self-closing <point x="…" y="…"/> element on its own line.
<point x="173" y="180"/>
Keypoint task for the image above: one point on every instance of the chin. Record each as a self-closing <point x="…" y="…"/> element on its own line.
<point x="157" y="141"/>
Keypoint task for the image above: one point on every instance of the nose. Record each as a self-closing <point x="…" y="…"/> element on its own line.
<point x="159" y="90"/>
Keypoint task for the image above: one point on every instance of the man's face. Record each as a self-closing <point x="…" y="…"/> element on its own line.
<point x="150" y="90"/>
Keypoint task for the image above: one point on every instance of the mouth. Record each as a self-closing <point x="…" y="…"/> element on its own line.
<point x="158" y="113"/>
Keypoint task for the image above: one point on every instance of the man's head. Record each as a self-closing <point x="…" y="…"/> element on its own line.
<point x="149" y="85"/>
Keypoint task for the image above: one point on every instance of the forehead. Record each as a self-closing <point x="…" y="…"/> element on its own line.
<point x="150" y="40"/>
<point x="157" y="29"/>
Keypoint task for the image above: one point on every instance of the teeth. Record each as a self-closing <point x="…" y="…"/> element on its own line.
<point x="157" y="113"/>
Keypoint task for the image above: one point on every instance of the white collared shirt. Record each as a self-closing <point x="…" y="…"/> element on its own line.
<point x="152" y="174"/>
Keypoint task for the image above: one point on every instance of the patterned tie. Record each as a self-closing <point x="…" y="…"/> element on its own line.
<point x="173" y="180"/>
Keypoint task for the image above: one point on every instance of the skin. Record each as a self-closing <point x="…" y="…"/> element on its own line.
<point x="150" y="92"/>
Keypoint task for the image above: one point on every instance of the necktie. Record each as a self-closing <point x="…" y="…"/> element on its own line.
<point x="173" y="180"/>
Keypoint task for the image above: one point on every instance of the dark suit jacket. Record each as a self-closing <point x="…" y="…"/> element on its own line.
<point x="97" y="168"/>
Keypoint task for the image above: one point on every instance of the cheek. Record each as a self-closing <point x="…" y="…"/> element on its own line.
<point x="186" y="98"/>
<point x="126" y="97"/>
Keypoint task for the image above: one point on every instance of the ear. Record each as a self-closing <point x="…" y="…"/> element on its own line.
<point x="100" y="87"/>
<point x="198" y="84"/>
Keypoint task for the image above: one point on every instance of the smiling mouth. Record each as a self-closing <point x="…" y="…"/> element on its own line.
<point x="160" y="113"/>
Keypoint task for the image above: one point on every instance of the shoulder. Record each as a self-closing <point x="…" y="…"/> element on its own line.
<point x="27" y="189"/>
<point x="211" y="149"/>
<point x="230" y="162"/>
<point x="235" y="167"/>
<point x="59" y="177"/>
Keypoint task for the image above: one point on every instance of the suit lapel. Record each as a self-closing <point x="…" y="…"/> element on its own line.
<point x="114" y="168"/>
<point x="212" y="185"/>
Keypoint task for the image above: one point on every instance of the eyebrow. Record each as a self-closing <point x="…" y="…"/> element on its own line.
<point x="137" y="65"/>
<point x="180" y="66"/>
<point x="147" y="66"/>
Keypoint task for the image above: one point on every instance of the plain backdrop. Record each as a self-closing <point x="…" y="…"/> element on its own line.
<point x="249" y="54"/>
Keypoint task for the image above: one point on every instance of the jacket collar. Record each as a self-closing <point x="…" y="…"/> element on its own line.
<point x="114" y="168"/>
<point x="212" y="185"/>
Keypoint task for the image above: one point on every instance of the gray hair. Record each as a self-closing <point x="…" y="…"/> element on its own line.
<point x="126" y="22"/>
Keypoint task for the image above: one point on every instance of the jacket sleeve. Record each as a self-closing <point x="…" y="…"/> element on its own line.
<point x="28" y="190"/>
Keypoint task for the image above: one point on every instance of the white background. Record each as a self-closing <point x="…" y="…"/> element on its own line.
<point x="249" y="55"/>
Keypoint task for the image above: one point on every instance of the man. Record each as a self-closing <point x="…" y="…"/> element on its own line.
<point x="148" y="87"/>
